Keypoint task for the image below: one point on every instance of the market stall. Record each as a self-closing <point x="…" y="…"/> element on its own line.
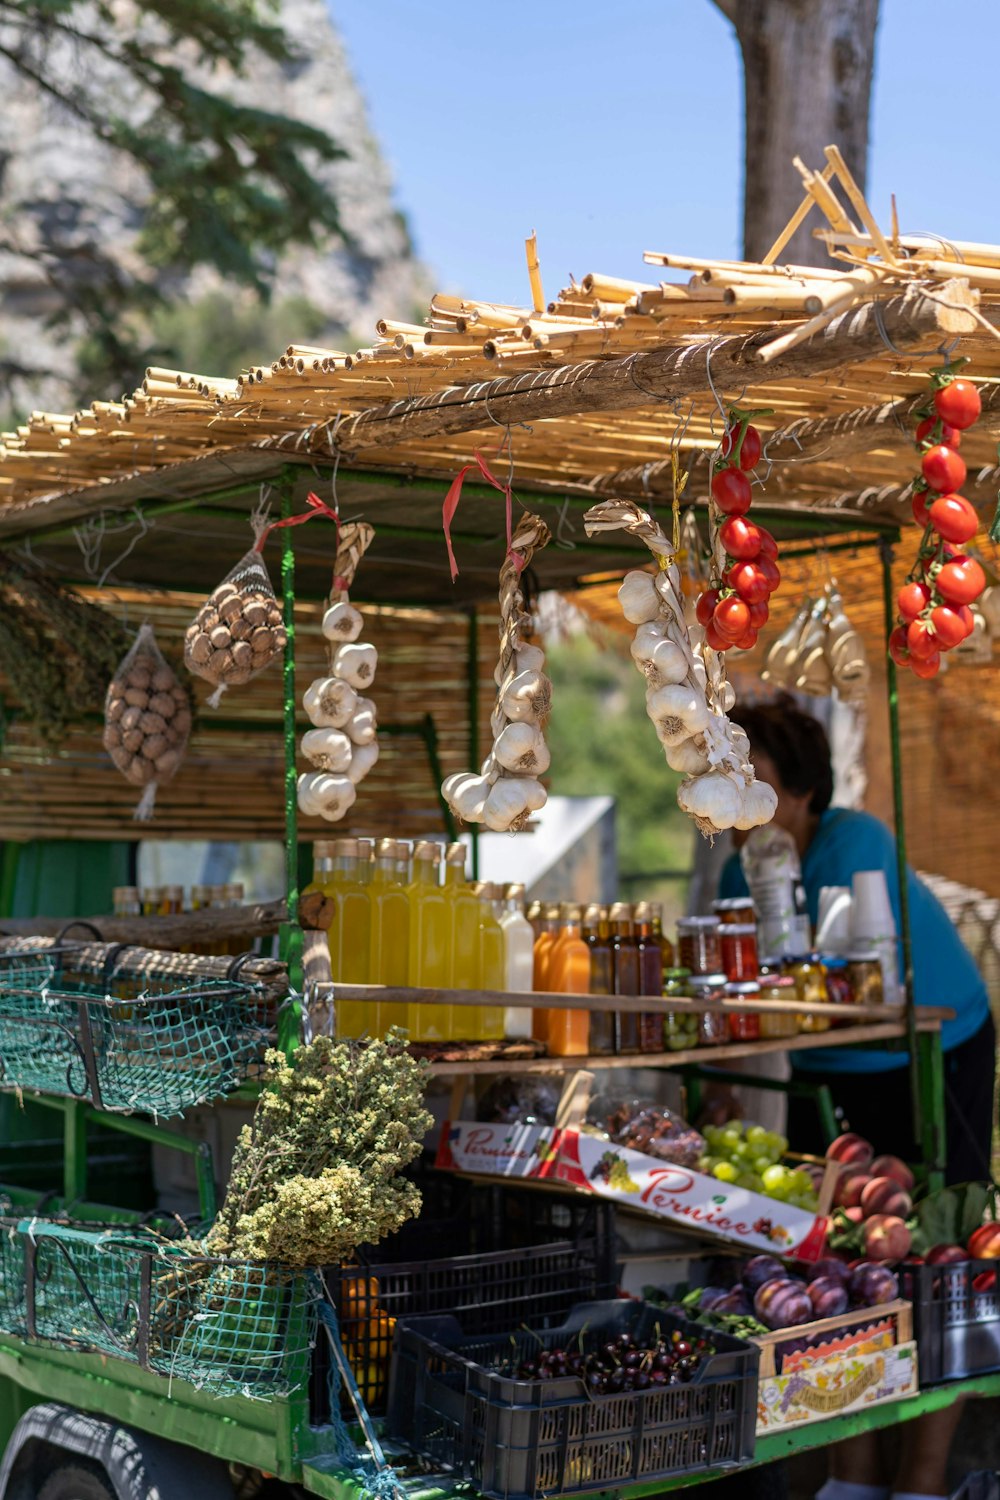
<point x="628" y="416"/>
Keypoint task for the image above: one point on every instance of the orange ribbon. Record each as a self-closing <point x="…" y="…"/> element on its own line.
<point x="317" y="506"/>
<point x="450" y="506"/>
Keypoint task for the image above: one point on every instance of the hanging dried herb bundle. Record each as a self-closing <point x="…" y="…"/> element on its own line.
<point x="35" y="673"/>
<point x="317" y="1172"/>
<point x="88" y="633"/>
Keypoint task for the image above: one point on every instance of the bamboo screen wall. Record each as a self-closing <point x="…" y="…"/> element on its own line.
<point x="231" y="783"/>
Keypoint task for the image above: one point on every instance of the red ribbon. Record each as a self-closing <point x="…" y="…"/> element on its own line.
<point x="451" y="506"/>
<point x="317" y="506"/>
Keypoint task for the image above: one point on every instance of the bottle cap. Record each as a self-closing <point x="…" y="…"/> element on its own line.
<point x="620" y="912"/>
<point x="128" y="893"/>
<point x="200" y="892"/>
<point x="385" y="849"/>
<point x="698" y="924"/>
<point x="738" y="929"/>
<point x="175" y="892"/>
<point x="233" y="892"/>
<point x="573" y="913"/>
<point x="514" y="891"/>
<point x="323" y="849"/>
<point x="426" y="849"/>
<point x="345" y="848"/>
<point x="366" y="848"/>
<point x="456" y="854"/>
<point x="642" y="912"/>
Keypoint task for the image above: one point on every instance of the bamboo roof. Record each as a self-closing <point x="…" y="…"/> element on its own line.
<point x="599" y="391"/>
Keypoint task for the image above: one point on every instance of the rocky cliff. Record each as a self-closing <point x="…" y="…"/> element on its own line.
<point x="60" y="184"/>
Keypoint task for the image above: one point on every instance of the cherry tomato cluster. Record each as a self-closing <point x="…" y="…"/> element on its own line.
<point x="733" y="613"/>
<point x="933" y="605"/>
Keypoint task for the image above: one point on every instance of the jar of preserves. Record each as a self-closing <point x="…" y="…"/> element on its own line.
<point x="738" y="942"/>
<point x="838" y="986"/>
<point x="744" y="1027"/>
<point x="777" y="1023"/>
<point x="736" y="909"/>
<point x="680" y="1027"/>
<point x="864" y="970"/>
<point x="810" y="986"/>
<point x="713" y="1025"/>
<point x="699" y="949"/>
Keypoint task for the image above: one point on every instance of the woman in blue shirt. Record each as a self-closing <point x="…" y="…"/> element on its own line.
<point x="872" y="1088"/>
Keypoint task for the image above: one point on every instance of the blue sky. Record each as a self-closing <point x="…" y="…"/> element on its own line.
<point x="612" y="128"/>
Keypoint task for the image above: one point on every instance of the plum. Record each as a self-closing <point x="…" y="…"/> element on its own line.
<point x="945" y="1255"/>
<point x="760" y="1269"/>
<point x="883" y="1195"/>
<point x="830" y="1268"/>
<point x="886" y="1237"/>
<point x="872" y="1285"/>
<point x="711" y="1296"/>
<point x="891" y="1166"/>
<point x="853" y="1150"/>
<point x="736" y="1302"/>
<point x="829" y="1297"/>
<point x="783" y="1303"/>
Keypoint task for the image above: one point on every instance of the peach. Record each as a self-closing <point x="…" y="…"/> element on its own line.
<point x="849" y="1189"/>
<point x="883" y="1195"/>
<point x="853" y="1150"/>
<point x="855" y="1214"/>
<point x="891" y="1166"/>
<point x="984" y="1242"/>
<point x="886" y="1238"/>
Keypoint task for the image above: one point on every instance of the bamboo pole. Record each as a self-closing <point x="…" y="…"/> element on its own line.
<point x="534" y="272"/>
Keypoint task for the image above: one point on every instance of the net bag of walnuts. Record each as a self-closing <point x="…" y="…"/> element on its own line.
<point x="239" y="629"/>
<point x="147" y="720"/>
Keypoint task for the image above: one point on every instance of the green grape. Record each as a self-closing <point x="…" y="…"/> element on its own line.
<point x="806" y="1201"/>
<point x="749" y="1180"/>
<point x="730" y="1137"/>
<point x="724" y="1171"/>
<point x="760" y="1164"/>
<point x="707" y="1163"/>
<point x="801" y="1182"/>
<point x="757" y="1135"/>
<point x="712" y="1135"/>
<point x="776" y="1177"/>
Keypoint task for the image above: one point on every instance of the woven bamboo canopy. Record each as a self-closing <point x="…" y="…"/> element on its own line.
<point x="613" y="387"/>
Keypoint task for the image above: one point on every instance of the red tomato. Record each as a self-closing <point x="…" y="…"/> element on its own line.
<point x="912" y="600"/>
<point x="769" y="569"/>
<point x="748" y="579"/>
<point x="758" y="610"/>
<point x="943" y="468"/>
<point x="768" y="546"/>
<point x="948" y="626"/>
<point x="958" y="403"/>
<point x="944" y="434"/>
<point x="953" y="518"/>
<point x="715" y="640"/>
<point x="750" y="451"/>
<point x="731" y="491"/>
<point x="966" y="616"/>
<point x="747" y="642"/>
<point x="740" y="538"/>
<point x="920" y="512"/>
<point x="961" y="580"/>
<point x="927" y="666"/>
<point x="931" y="560"/>
<point x="921" y="640"/>
<point x="898" y="649"/>
<point x="731" y="617"/>
<point x="705" y="608"/>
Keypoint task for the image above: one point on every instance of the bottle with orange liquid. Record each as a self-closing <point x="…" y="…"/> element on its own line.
<point x="544" y="943"/>
<point x="568" y="1031"/>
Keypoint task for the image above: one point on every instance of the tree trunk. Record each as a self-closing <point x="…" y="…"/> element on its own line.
<point x="808" y="77"/>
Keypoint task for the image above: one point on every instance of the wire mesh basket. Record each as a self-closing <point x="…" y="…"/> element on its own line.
<point x="229" y="1327"/>
<point x="154" y="1039"/>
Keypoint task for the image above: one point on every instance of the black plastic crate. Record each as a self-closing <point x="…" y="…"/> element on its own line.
<point x="491" y="1289"/>
<point x="956" y="1318"/>
<point x="450" y="1400"/>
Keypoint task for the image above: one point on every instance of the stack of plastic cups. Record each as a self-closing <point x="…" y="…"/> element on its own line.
<point x="874" y="927"/>
<point x="833" y="920"/>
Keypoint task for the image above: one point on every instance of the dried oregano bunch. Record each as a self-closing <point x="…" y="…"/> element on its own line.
<point x="317" y="1172"/>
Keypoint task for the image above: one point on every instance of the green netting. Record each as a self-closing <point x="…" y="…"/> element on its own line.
<point x="127" y="1042"/>
<point x="229" y="1327"/>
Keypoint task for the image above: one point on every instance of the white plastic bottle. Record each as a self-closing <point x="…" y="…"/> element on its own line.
<point x="519" y="953"/>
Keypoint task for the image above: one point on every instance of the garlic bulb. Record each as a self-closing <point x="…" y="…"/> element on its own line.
<point x="529" y="658"/>
<point x="342" y="622"/>
<point x="528" y="698"/>
<point x="759" y="803"/>
<point x="521" y="747"/>
<point x="646" y="640"/>
<point x="362" y="760"/>
<point x="329" y="702"/>
<point x="678" y="712"/>
<point x="304" y="795"/>
<point x="355" y="662"/>
<point x="327" y="749"/>
<point x="511" y="801"/>
<point x="638" y="597"/>
<point x="727" y="697"/>
<point x="687" y="756"/>
<point x="329" y="796"/>
<point x="363" y="723"/>
<point x="714" y="801"/>
<point x="668" y="663"/>
<point x="466" y="795"/>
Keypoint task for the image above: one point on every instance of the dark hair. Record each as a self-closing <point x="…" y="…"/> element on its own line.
<point x="797" y="744"/>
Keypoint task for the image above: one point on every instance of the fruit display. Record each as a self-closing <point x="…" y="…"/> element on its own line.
<point x="653" y="1129"/>
<point x="769" y="1297"/>
<point x="620" y="1364"/>
<point x="934" y="611"/>
<point x="749" y="1156"/>
<point x="872" y="1200"/>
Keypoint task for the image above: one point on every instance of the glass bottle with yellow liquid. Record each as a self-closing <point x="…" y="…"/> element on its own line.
<point x="488" y="1019"/>
<point x="352" y="944"/>
<point x="465" y="968"/>
<point x="390" y="934"/>
<point x="568" y="1031"/>
<point x="519" y="946"/>
<point x="430" y="967"/>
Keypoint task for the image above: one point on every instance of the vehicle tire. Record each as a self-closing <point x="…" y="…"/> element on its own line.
<point x="77" y="1481"/>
